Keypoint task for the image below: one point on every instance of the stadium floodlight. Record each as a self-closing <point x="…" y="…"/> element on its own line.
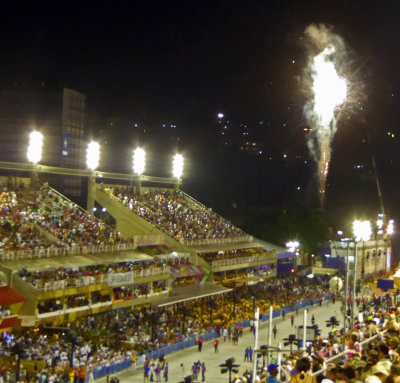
<point x="220" y="115"/>
<point x="177" y="166"/>
<point x="362" y="230"/>
<point x="93" y="155"/>
<point x="139" y="161"/>
<point x="34" y="153"/>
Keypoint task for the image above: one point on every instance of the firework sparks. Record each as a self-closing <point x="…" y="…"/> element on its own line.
<point x="329" y="91"/>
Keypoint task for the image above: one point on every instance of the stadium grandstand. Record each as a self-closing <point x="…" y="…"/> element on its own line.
<point x="166" y="247"/>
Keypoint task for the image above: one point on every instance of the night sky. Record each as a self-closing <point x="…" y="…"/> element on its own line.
<point x="183" y="62"/>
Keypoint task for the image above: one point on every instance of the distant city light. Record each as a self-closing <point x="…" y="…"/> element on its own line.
<point x="93" y="155"/>
<point x="139" y="160"/>
<point x="177" y="166"/>
<point x="362" y="230"/>
<point x="292" y="246"/>
<point x="34" y="153"/>
<point x="220" y="115"/>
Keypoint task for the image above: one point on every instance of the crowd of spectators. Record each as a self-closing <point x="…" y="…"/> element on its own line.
<point x="69" y="223"/>
<point x="5" y="311"/>
<point x="22" y="208"/>
<point x="16" y="230"/>
<point x="137" y="330"/>
<point x="176" y="215"/>
<point x="71" y="274"/>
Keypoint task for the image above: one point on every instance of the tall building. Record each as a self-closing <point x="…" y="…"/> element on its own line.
<point x="58" y="114"/>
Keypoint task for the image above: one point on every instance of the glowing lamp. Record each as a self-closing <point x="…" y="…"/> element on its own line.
<point x="34" y="153"/>
<point x="93" y="155"/>
<point x="362" y="230"/>
<point x="220" y="115"/>
<point x="177" y="166"/>
<point x="139" y="161"/>
<point x="390" y="228"/>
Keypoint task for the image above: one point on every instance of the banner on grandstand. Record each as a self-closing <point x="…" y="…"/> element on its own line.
<point x="324" y="270"/>
<point x="149" y="240"/>
<point x="119" y="279"/>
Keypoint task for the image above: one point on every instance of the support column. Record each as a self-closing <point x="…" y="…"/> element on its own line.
<point x="90" y="196"/>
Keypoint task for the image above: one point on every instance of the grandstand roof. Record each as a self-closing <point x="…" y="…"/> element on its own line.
<point x="9" y="296"/>
<point x="76" y="261"/>
<point x="269" y="246"/>
<point x="191" y="292"/>
<point x="213" y="248"/>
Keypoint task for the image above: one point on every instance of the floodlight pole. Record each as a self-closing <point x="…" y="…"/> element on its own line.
<point x="279" y="360"/>
<point x="176" y="184"/>
<point x="138" y="185"/>
<point x="346" y="297"/>
<point x="256" y="324"/>
<point x="271" y="311"/>
<point x="354" y="285"/>
<point x="90" y="195"/>
<point x="304" y="329"/>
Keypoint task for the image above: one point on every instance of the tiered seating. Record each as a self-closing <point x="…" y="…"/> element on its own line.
<point x="71" y="225"/>
<point x="176" y="215"/>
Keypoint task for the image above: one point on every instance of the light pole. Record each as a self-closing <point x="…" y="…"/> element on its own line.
<point x="362" y="232"/>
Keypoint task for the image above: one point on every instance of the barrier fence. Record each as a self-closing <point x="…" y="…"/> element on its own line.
<point x="64" y="251"/>
<point x="98" y="279"/>
<point x="241" y="260"/>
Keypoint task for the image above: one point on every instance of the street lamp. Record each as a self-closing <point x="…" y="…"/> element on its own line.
<point x="34" y="152"/>
<point x="362" y="232"/>
<point x="93" y="155"/>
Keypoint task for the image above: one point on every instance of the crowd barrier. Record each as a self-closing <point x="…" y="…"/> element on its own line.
<point x="64" y="251"/>
<point x="98" y="279"/>
<point x="102" y="371"/>
<point x="241" y="260"/>
<point x="215" y="241"/>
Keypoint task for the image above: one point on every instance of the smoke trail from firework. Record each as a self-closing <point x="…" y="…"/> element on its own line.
<point x="329" y="92"/>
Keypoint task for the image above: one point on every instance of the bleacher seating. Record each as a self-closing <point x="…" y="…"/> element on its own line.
<point x="177" y="215"/>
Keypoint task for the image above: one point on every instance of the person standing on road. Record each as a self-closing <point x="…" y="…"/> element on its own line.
<point x="292" y="319"/>
<point x="313" y="320"/>
<point x="283" y="314"/>
<point x="216" y="343"/>
<point x="203" y="372"/>
<point x="250" y="354"/>
<point x="246" y="354"/>
<point x="200" y="343"/>
<point x="166" y="372"/>
<point x="146" y="373"/>
<point x="225" y="333"/>
<point x="275" y="330"/>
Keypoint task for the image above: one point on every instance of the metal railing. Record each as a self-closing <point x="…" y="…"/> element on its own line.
<point x="38" y="253"/>
<point x="93" y="280"/>
<point x="215" y="241"/>
<point x="241" y="260"/>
